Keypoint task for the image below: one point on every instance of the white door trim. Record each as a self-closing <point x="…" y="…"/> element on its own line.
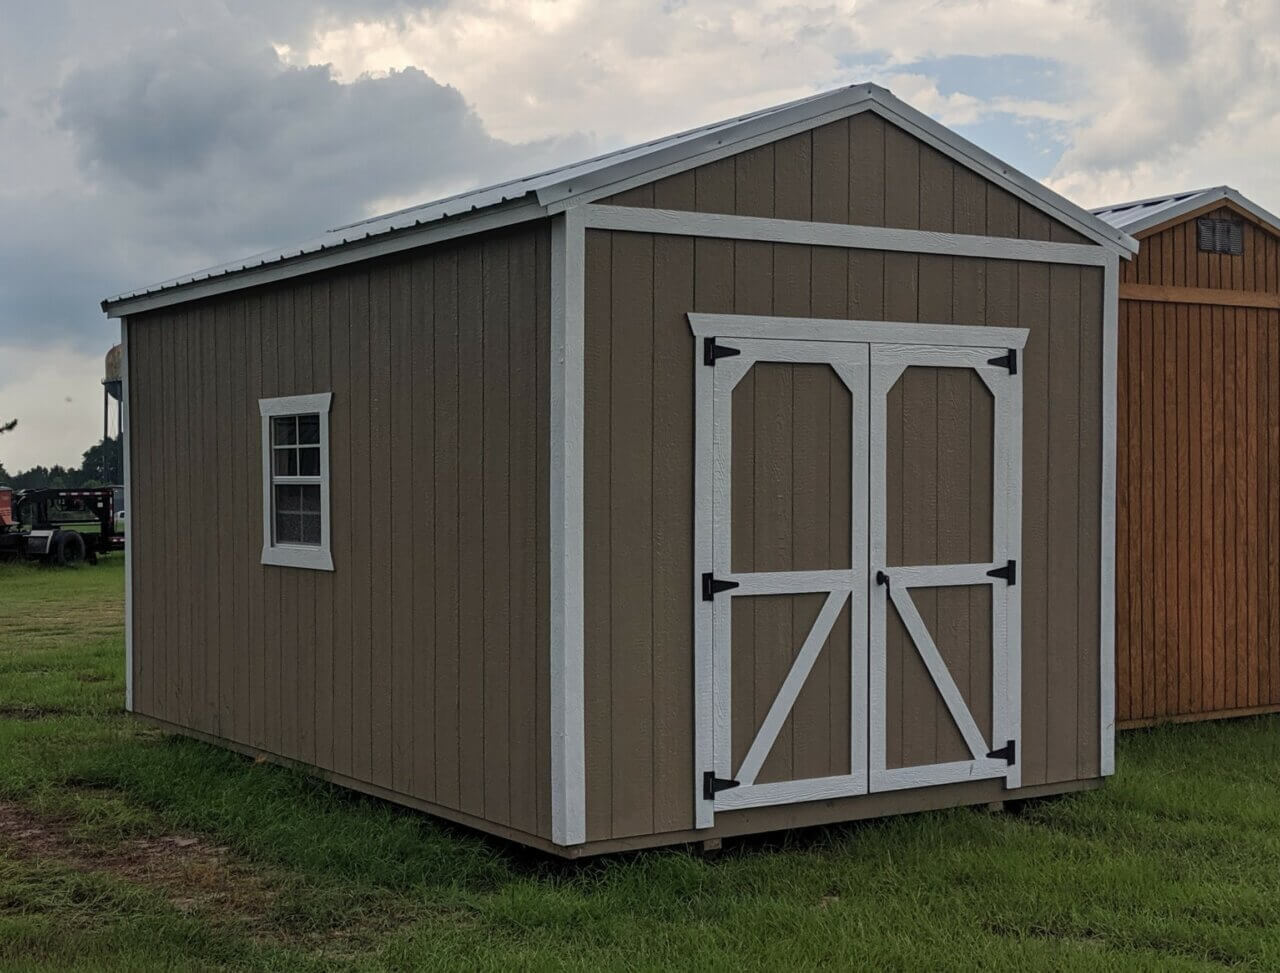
<point x="776" y="327"/>
<point x="791" y="686"/>
<point x="888" y="361"/>
<point x="714" y="387"/>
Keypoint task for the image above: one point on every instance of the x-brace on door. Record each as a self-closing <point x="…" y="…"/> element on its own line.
<point x="789" y="487"/>
<point x="856" y="547"/>
<point x="945" y="549"/>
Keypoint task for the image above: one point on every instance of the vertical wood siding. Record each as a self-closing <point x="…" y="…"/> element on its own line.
<point x="860" y="170"/>
<point x="941" y="438"/>
<point x="792" y="511"/>
<point x="639" y="361"/>
<point x="419" y="665"/>
<point x="1198" y="594"/>
<point x="1171" y="256"/>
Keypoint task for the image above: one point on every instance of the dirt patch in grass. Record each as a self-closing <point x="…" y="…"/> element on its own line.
<point x="191" y="873"/>
<point x="27" y="713"/>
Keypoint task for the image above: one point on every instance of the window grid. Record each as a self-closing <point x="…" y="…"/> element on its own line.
<point x="295" y="481"/>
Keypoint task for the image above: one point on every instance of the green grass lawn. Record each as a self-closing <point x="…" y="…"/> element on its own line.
<point x="123" y="848"/>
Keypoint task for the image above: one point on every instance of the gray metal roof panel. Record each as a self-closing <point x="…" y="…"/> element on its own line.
<point x="1142" y="214"/>
<point x="563" y="182"/>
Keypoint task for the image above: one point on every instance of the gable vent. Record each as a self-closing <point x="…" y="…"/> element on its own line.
<point x="1220" y="236"/>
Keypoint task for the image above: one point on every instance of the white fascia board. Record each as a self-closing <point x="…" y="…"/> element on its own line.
<point x="379" y="246"/>
<point x="985" y="164"/>
<point x="700" y="150"/>
<point x="1200" y="201"/>
<point x="812" y="114"/>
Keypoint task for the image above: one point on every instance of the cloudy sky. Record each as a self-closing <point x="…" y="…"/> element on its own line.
<point x="140" y="139"/>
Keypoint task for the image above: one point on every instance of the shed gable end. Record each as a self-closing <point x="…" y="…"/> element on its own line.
<point x="862" y="171"/>
<point x="1172" y="257"/>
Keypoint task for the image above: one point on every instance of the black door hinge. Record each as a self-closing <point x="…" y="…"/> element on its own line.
<point x="882" y="578"/>
<point x="711" y="586"/>
<point x="1009" y="572"/>
<point x="713" y="785"/>
<point x="711" y="351"/>
<point x="1008" y="753"/>
<point x="1008" y="360"/>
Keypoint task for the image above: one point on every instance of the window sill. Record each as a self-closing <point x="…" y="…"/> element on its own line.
<point x="287" y="556"/>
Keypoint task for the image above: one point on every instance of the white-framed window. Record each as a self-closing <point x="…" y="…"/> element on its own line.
<point x="295" y="481"/>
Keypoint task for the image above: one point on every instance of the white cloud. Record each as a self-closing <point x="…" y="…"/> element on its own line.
<point x="160" y="135"/>
<point x="1167" y="94"/>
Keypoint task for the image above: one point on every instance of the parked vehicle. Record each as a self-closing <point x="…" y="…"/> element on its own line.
<point x="58" y="526"/>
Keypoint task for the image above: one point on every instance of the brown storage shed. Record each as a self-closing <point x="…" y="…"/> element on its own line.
<point x="751" y="478"/>
<point x="1198" y="610"/>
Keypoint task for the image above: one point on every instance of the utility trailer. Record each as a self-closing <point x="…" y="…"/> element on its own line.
<point x="63" y="527"/>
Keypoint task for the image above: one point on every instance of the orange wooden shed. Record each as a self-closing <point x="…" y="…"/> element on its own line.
<point x="1198" y="460"/>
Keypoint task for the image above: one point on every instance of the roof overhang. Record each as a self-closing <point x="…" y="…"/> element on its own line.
<point x="583" y="183"/>
<point x="1191" y="205"/>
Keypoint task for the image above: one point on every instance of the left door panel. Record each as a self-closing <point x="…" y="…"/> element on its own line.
<point x="785" y="603"/>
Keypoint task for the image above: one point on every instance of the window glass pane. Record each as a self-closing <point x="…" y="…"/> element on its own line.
<point x="309" y="461"/>
<point x="309" y="498"/>
<point x="289" y="499"/>
<point x="286" y="462"/>
<point x="285" y="430"/>
<point x="289" y="528"/>
<point x="309" y="428"/>
<point x="311" y="528"/>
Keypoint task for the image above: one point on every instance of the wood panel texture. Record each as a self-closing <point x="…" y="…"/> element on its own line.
<point x="860" y="171"/>
<point x="1196" y="512"/>
<point x="941" y="437"/>
<point x="792" y="511"/>
<point x="418" y="667"/>
<point x="1198" y="598"/>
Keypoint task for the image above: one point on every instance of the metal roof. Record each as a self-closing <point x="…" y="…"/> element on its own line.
<point x="1142" y="214"/>
<point x="556" y="189"/>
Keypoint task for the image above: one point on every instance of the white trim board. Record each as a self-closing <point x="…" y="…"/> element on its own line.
<point x="126" y="448"/>
<point x="812" y="113"/>
<point x="1158" y="210"/>
<point x="638" y="219"/>
<point x="316" y="558"/>
<point x="873" y="332"/>
<point x="568" y="709"/>
<point x="567" y="187"/>
<point x="1107" y="602"/>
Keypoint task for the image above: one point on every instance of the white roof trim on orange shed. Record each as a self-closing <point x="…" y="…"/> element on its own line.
<point x="558" y="189"/>
<point x="1142" y="214"/>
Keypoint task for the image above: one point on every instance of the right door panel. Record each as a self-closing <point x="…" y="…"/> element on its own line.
<point x="944" y="518"/>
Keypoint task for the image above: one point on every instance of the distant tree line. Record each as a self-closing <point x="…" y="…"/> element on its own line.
<point x="103" y="464"/>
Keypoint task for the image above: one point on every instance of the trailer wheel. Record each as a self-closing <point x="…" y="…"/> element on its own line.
<point x="68" y="548"/>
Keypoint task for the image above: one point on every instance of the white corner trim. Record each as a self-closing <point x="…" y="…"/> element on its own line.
<point x="296" y="555"/>
<point x="1107" y="602"/>
<point x="638" y="219"/>
<point x="836" y="329"/>
<point x="568" y="711"/>
<point x="126" y="447"/>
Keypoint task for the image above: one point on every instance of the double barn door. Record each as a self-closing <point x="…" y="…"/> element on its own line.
<point x="858" y="537"/>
